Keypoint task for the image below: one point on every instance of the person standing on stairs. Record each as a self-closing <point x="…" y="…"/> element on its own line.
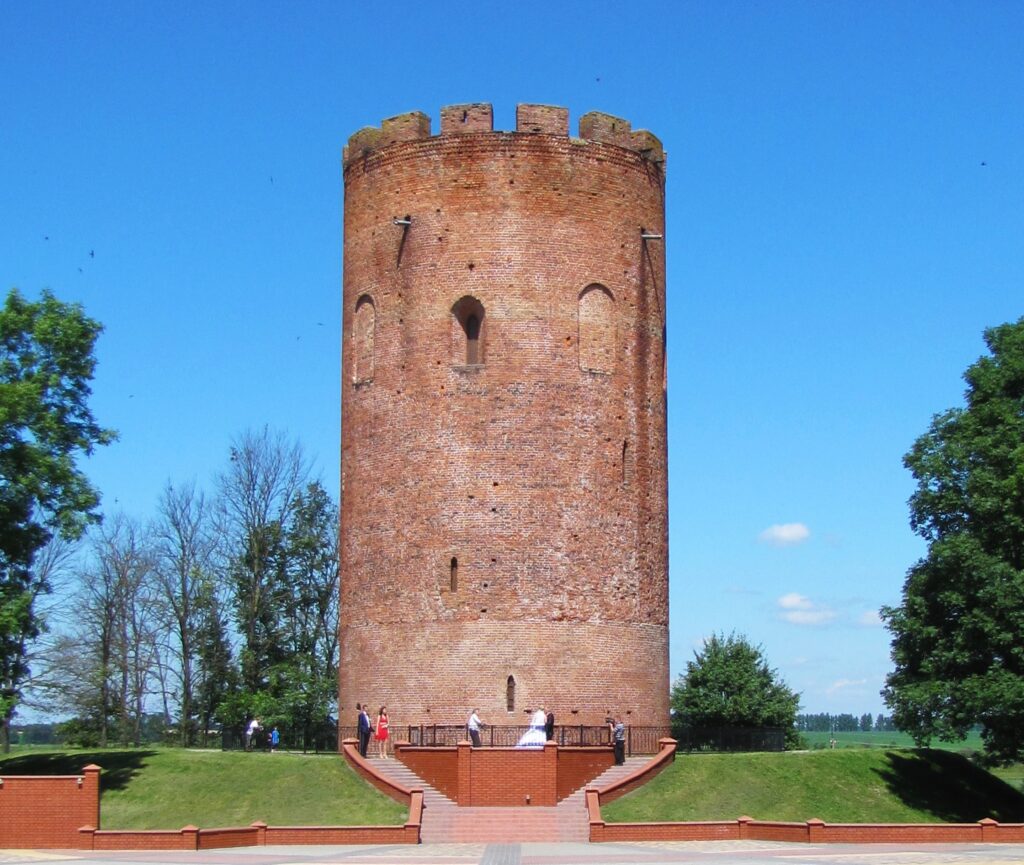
<point x="619" y="741"/>
<point x="382" y="733"/>
<point x="365" y="728"/>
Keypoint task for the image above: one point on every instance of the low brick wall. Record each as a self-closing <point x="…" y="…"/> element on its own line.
<point x="63" y="811"/>
<point x="506" y="777"/>
<point x="577" y="767"/>
<point x="407" y="834"/>
<point x="48" y="810"/>
<point x="363" y="767"/>
<point x="186" y="838"/>
<point x="811" y="831"/>
<point x="439" y="767"/>
<point x="666" y="756"/>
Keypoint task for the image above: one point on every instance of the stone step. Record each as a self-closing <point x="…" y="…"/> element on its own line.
<point x="497" y="825"/>
<point x="446" y="822"/>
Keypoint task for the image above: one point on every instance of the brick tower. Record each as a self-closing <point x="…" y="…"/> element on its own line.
<point x="503" y="458"/>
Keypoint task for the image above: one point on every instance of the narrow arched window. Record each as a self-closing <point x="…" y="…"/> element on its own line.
<point x="468" y="331"/>
<point x="453" y="574"/>
<point x="596" y="320"/>
<point x="625" y="461"/>
<point x="510" y="694"/>
<point x="472" y="339"/>
<point x="363" y="327"/>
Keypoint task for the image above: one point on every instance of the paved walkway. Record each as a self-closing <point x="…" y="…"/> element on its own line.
<point x="654" y="853"/>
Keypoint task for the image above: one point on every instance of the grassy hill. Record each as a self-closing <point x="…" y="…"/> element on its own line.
<point x="841" y="786"/>
<point x="170" y="788"/>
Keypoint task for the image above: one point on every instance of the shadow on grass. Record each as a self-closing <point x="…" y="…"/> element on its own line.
<point x="119" y="767"/>
<point x="950" y="787"/>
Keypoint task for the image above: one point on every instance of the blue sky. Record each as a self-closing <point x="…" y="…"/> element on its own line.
<point x="845" y="189"/>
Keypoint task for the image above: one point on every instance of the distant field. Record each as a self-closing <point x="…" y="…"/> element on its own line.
<point x="167" y="788"/>
<point x="845" y="785"/>
<point x="887" y="740"/>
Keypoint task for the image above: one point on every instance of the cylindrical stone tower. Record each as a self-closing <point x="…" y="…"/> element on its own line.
<point x="504" y="477"/>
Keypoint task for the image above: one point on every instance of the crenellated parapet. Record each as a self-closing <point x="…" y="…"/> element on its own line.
<point x="476" y="118"/>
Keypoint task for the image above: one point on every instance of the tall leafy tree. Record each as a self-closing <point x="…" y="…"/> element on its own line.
<point x="46" y="366"/>
<point x="265" y="474"/>
<point x="309" y="675"/>
<point x="216" y="676"/>
<point x="729" y="684"/>
<point x="185" y="550"/>
<point x="956" y="636"/>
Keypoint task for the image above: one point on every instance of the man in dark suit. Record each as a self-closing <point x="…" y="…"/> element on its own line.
<point x="549" y="726"/>
<point x="364" y="729"/>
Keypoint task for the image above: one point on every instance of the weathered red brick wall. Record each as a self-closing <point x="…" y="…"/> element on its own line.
<point x="541" y="469"/>
<point x="48" y="811"/>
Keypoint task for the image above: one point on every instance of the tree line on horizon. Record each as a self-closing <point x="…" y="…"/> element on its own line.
<point x="824" y="722"/>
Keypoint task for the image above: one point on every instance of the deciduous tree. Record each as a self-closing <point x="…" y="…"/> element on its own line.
<point x="956" y="636"/>
<point x="185" y="547"/>
<point x="265" y="474"/>
<point x="46" y="366"/>
<point x="729" y="684"/>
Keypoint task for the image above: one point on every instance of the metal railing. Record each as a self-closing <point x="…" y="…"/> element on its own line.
<point x="717" y="739"/>
<point x="640" y="740"/>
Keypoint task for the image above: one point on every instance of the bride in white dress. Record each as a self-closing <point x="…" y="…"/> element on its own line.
<point x="534" y="737"/>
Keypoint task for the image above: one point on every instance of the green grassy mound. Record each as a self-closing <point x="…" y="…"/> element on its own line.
<point x="171" y="788"/>
<point x="842" y="786"/>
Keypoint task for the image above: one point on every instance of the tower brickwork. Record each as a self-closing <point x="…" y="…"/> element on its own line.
<point x="504" y="475"/>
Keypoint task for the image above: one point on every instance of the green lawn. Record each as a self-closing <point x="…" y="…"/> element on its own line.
<point x="170" y="788"/>
<point x="893" y="739"/>
<point x="840" y="786"/>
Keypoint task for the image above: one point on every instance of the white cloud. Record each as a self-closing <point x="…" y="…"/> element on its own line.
<point x="785" y="534"/>
<point x="870" y="619"/>
<point x="798" y="609"/>
<point x="795" y="601"/>
<point x="845" y="685"/>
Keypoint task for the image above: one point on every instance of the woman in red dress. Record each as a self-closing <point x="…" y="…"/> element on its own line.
<point x="382" y="733"/>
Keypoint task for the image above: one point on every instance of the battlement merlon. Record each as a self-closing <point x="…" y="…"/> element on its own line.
<point x="478" y="117"/>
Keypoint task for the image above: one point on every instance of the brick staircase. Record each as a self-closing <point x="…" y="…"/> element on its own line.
<point x="446" y="822"/>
